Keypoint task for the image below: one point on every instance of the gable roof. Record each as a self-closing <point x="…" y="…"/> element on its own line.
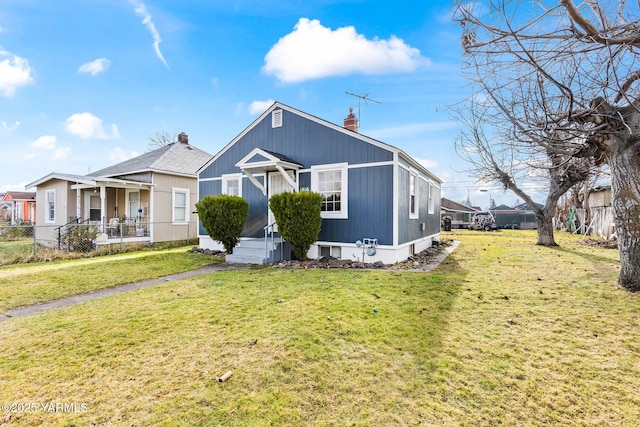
<point x="450" y="205"/>
<point x="502" y="208"/>
<point x="176" y="158"/>
<point x="18" y="195"/>
<point x="63" y="177"/>
<point x="279" y="105"/>
<point x="526" y="207"/>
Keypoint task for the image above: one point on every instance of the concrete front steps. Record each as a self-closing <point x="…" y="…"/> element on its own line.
<point x="259" y="251"/>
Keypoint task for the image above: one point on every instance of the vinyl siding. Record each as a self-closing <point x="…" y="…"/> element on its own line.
<point x="370" y="208"/>
<point x="410" y="229"/>
<point x="305" y="141"/>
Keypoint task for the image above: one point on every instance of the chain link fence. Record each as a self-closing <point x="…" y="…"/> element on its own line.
<point x="24" y="242"/>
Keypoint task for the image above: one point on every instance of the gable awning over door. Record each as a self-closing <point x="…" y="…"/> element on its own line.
<point x="263" y="161"/>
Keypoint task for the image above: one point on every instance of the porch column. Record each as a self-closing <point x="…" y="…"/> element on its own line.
<point x="78" y="203"/>
<point x="103" y="205"/>
<point x="150" y="216"/>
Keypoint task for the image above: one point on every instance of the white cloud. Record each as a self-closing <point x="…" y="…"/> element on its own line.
<point x="13" y="187"/>
<point x="95" y="67"/>
<point x="86" y="125"/>
<point x="429" y="164"/>
<point x="313" y="51"/>
<point x="118" y="155"/>
<point x="47" y="142"/>
<point x="258" y="107"/>
<point x="147" y="21"/>
<point x="9" y="127"/>
<point x="61" y="153"/>
<point x="14" y="72"/>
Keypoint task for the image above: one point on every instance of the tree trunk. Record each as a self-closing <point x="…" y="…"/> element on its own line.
<point x="544" y="222"/>
<point x="624" y="163"/>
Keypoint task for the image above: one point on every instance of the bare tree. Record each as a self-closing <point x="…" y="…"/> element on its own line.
<point x="160" y="139"/>
<point x="500" y="154"/>
<point x="580" y="64"/>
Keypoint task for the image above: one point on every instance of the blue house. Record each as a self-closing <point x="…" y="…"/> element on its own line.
<point x="373" y="192"/>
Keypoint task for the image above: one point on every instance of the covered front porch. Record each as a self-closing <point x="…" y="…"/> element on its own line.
<point x="120" y="209"/>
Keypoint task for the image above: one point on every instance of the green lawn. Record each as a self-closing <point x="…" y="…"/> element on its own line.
<point x="37" y="282"/>
<point x="503" y="333"/>
<point x="10" y="250"/>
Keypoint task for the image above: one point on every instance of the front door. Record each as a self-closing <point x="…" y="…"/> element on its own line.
<point x="277" y="185"/>
<point x="94" y="212"/>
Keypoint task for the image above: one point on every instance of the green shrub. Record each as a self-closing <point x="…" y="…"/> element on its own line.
<point x="79" y="238"/>
<point x="298" y="218"/>
<point x="223" y="217"/>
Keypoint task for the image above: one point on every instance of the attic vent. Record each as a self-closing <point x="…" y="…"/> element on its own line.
<point x="276" y="118"/>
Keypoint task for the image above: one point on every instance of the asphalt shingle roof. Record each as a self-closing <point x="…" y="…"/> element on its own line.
<point x="176" y="157"/>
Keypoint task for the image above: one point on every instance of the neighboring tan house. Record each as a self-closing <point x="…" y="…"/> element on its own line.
<point x="150" y="198"/>
<point x="371" y="190"/>
<point x="18" y="207"/>
<point x="460" y="214"/>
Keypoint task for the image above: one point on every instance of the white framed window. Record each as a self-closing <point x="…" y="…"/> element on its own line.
<point x="331" y="181"/>
<point x="19" y="213"/>
<point x="232" y="184"/>
<point x="276" y="118"/>
<point x="50" y="206"/>
<point x="430" y="201"/>
<point x="413" y="195"/>
<point x="180" y="203"/>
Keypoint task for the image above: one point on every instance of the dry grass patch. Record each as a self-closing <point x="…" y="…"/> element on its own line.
<point x="502" y="333"/>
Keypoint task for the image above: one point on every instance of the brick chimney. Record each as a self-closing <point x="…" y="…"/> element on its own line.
<point x="350" y="122"/>
<point x="183" y="138"/>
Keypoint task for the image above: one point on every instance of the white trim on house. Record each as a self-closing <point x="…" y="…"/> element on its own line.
<point x="396" y="201"/>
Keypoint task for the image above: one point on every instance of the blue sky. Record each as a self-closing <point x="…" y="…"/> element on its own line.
<point x="84" y="84"/>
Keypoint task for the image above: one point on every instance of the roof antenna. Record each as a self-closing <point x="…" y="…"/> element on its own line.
<point x="364" y="98"/>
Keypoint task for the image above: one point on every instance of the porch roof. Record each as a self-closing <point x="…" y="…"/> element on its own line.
<point x="85" y="181"/>
<point x="110" y="182"/>
<point x="262" y="160"/>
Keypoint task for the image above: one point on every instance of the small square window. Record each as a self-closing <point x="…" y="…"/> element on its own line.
<point x="331" y="251"/>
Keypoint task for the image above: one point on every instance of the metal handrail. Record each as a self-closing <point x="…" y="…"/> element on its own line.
<point x="268" y="231"/>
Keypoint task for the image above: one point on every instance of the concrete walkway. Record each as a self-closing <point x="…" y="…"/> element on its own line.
<point x="208" y="269"/>
<point x="75" y="299"/>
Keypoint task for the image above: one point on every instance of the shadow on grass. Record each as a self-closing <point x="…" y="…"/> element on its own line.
<point x="590" y="257"/>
